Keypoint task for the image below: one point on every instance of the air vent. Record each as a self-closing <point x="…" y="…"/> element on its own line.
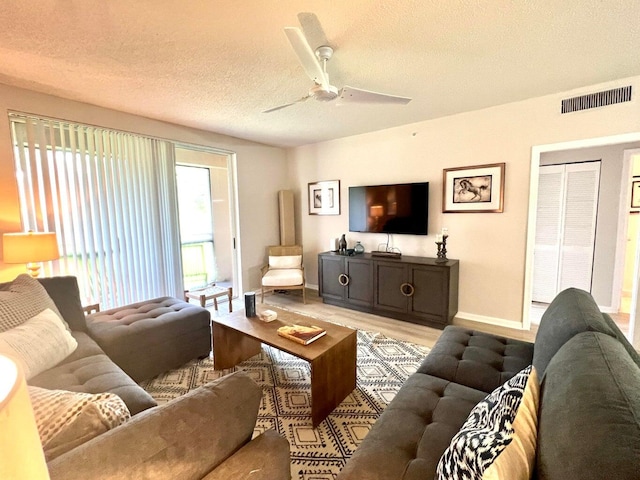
<point x="599" y="99"/>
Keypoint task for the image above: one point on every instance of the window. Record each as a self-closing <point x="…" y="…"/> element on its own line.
<point x="111" y="198"/>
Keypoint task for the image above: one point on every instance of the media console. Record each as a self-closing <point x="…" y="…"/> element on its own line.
<point x="414" y="289"/>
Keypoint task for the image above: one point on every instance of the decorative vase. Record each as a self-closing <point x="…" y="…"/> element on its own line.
<point x="342" y="245"/>
<point x="358" y="248"/>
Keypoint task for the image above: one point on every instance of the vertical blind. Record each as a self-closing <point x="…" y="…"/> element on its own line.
<point x="111" y="198"/>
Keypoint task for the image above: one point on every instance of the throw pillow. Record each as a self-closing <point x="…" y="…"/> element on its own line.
<point x="39" y="343"/>
<point x="22" y="299"/>
<point x="498" y="439"/>
<point x="285" y="261"/>
<point x="68" y="419"/>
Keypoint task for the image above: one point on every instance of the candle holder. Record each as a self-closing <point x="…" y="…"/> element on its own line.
<point x="442" y="250"/>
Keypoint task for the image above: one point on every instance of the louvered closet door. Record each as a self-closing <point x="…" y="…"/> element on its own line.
<point x="565" y="229"/>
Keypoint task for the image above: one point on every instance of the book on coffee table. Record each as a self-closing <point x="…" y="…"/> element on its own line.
<point x="301" y="334"/>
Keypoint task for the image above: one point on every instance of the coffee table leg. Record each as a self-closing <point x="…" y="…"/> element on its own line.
<point x="333" y="377"/>
<point x="231" y="347"/>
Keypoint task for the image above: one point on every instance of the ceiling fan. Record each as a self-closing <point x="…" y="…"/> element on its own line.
<point x="315" y="65"/>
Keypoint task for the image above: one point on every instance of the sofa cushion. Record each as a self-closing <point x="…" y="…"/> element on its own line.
<point x="571" y="312"/>
<point x="22" y="299"/>
<point x="65" y="293"/>
<point x="89" y="370"/>
<point x="39" y="343"/>
<point x="410" y="436"/>
<point x="476" y="359"/>
<point x="589" y="416"/>
<point x="498" y="439"/>
<point x="68" y="419"/>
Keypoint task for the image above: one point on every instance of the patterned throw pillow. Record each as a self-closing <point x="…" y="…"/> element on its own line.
<point x="498" y="439"/>
<point x="40" y="343"/>
<point x="68" y="419"/>
<point x="21" y="300"/>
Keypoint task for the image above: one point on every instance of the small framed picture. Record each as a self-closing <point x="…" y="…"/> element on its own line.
<point x="477" y="189"/>
<point x="324" y="198"/>
<point x="635" y="194"/>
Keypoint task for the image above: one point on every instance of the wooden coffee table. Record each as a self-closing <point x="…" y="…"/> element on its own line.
<point x="332" y="357"/>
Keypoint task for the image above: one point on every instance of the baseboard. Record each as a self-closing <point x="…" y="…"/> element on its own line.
<point x="500" y="322"/>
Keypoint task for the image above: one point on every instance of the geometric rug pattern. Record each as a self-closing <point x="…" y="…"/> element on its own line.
<point x="383" y="365"/>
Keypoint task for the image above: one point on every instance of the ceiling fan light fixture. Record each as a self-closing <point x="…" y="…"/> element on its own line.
<point x="324" y="95"/>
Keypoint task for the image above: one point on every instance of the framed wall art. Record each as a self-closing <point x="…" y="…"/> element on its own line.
<point x="477" y="189"/>
<point x="324" y="198"/>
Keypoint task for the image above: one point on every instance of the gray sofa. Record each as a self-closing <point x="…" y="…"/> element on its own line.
<point x="589" y="411"/>
<point x="204" y="434"/>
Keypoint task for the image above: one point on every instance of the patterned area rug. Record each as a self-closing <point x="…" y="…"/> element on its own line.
<point x="316" y="454"/>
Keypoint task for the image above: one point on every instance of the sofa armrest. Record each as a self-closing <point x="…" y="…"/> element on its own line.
<point x="264" y="458"/>
<point x="185" y="438"/>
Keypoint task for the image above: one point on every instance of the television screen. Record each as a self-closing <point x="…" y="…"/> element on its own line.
<point x="400" y="208"/>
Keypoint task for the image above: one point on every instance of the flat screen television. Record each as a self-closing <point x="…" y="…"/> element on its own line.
<point x="398" y="208"/>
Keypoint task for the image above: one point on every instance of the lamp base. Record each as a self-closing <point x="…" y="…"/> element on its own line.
<point x="34" y="269"/>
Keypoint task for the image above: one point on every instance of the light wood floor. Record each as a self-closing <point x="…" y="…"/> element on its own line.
<point x="389" y="327"/>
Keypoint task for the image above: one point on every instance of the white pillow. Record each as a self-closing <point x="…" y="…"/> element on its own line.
<point x="39" y="343"/>
<point x="285" y="261"/>
<point x="68" y="419"/>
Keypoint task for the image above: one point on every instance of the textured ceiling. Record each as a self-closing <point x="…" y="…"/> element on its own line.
<point x="217" y="65"/>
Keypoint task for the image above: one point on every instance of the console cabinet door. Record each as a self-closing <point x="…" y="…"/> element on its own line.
<point x="430" y="297"/>
<point x="359" y="290"/>
<point x="389" y="278"/>
<point x="330" y="268"/>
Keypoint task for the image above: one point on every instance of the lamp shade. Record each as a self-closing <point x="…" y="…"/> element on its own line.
<point x="21" y="454"/>
<point x="30" y="247"/>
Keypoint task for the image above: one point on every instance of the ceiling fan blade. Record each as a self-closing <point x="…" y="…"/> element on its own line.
<point x="356" y="95"/>
<point x="303" y="99"/>
<point x="306" y="56"/>
<point x="312" y="29"/>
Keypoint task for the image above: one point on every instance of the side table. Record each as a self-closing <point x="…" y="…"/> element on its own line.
<point x="209" y="292"/>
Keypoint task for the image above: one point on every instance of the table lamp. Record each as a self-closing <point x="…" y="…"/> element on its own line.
<point x="30" y="248"/>
<point x="21" y="454"/>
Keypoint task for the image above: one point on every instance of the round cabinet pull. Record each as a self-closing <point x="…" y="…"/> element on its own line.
<point x="407" y="289"/>
<point x="343" y="279"/>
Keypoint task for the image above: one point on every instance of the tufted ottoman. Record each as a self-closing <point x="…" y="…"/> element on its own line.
<point x="151" y="337"/>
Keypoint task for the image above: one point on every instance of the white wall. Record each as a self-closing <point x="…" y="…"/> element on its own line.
<point x="261" y="169"/>
<point x="490" y="246"/>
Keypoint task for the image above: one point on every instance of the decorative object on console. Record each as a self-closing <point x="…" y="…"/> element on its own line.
<point x="358" y="248"/>
<point x="324" y="198"/>
<point x="30" y="248"/>
<point x="21" y="454"/>
<point x="477" y="189"/>
<point x="441" y="242"/>
<point x="342" y="245"/>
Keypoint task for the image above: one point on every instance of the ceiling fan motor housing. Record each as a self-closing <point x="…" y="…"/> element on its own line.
<point x="323" y="95"/>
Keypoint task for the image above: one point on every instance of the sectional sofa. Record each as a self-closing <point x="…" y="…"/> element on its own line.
<point x="586" y="424"/>
<point x="204" y="434"/>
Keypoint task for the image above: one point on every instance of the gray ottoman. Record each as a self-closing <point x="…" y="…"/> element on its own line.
<point x="151" y="337"/>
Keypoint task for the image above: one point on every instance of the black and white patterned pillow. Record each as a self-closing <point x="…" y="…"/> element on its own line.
<point x="489" y="429"/>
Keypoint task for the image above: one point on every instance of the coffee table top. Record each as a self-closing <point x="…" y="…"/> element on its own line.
<point x="267" y="332"/>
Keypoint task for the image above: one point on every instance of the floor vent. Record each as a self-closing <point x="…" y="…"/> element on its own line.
<point x="599" y="99"/>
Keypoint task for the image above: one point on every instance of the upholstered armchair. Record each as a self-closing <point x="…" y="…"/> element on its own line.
<point x="284" y="271"/>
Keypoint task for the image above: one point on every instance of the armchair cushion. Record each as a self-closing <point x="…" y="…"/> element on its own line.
<point x="283" y="277"/>
<point x="285" y="261"/>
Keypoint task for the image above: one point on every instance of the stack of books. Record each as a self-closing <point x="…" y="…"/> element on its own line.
<point x="301" y="334"/>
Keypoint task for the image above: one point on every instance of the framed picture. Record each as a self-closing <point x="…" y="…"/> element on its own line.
<point x="478" y="189"/>
<point x="635" y="193"/>
<point x="324" y="198"/>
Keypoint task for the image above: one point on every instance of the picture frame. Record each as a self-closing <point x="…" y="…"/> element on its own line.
<point x="324" y="198"/>
<point x="635" y="193"/>
<point x="475" y="189"/>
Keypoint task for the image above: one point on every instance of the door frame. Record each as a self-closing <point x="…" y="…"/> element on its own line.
<point x="536" y="153"/>
<point x="234" y="220"/>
